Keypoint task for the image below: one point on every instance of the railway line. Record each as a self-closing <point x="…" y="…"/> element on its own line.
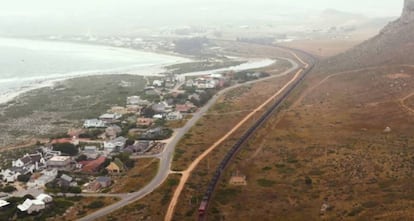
<point x="306" y="69"/>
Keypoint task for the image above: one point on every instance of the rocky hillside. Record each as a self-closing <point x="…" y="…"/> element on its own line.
<point x="393" y="45"/>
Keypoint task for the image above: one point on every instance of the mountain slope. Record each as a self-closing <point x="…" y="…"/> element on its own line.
<point x="393" y="45"/>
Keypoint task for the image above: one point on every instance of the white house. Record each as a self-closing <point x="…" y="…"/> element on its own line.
<point x="9" y="176"/>
<point x="109" y="117"/>
<point x="48" y="176"/>
<point x="157" y="83"/>
<point x="158" y="117"/>
<point x="30" y="162"/>
<point x="176" y="115"/>
<point x="94" y="123"/>
<point x="44" y="198"/>
<point x="136" y="100"/>
<point x="91" y="152"/>
<point x="29" y="206"/>
<point x="3" y="203"/>
<point x="189" y="83"/>
<point x="112" y="145"/>
<point x="205" y="83"/>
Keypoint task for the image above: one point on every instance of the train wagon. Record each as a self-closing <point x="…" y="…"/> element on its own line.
<point x="203" y="207"/>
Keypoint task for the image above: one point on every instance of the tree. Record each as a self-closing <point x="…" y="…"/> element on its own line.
<point x="9" y="189"/>
<point x="96" y="204"/>
<point x="24" y="178"/>
<point x="308" y="180"/>
<point x="125" y="159"/>
<point x="82" y="157"/>
<point x="66" y="148"/>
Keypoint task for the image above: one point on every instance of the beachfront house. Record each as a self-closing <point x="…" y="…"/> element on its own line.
<point x="109" y="118"/>
<point x="94" y="123"/>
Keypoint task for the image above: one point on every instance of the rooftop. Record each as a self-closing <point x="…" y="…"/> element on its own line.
<point x="3" y="203"/>
<point x="59" y="158"/>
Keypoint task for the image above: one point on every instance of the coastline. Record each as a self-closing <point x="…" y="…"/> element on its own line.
<point x="154" y="70"/>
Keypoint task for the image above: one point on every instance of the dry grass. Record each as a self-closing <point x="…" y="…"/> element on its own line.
<point x="324" y="47"/>
<point x="81" y="209"/>
<point x="200" y="177"/>
<point x="152" y="207"/>
<point x="137" y="177"/>
<point x="178" y="123"/>
<point x="223" y="116"/>
<point x="330" y="148"/>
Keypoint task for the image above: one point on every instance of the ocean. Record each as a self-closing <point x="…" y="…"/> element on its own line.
<point x="26" y="64"/>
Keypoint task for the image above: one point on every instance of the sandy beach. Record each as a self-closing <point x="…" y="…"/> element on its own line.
<point x="155" y="70"/>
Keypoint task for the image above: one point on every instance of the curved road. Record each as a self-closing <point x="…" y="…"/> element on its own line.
<point x="168" y="154"/>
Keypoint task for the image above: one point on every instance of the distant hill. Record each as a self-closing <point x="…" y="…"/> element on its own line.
<point x="393" y="45"/>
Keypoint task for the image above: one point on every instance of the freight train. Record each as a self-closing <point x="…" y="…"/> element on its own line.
<point x="202" y="210"/>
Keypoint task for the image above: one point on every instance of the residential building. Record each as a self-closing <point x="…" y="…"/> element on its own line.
<point x="29" y="206"/>
<point x="133" y="109"/>
<point x="44" y="198"/>
<point x="140" y="146"/>
<point x="109" y="118"/>
<point x="157" y="83"/>
<point x="205" y="83"/>
<point x="94" y="123"/>
<point x="3" y="203"/>
<point x="189" y="83"/>
<point x="176" y="115"/>
<point x="161" y="107"/>
<point x="151" y="91"/>
<point x="32" y="161"/>
<point x="112" y="131"/>
<point x="115" y="144"/>
<point x="93" y="165"/>
<point x="144" y="122"/>
<point x="93" y="187"/>
<point x="59" y="162"/>
<point x="118" y="110"/>
<point x="185" y="108"/>
<point x="195" y="97"/>
<point x="133" y="100"/>
<point x="10" y="175"/>
<point x="66" y="181"/>
<point x="115" y="166"/>
<point x="136" y="100"/>
<point x="91" y="152"/>
<point x="104" y="181"/>
<point x="47" y="176"/>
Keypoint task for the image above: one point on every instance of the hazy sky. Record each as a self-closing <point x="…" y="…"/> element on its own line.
<point x="73" y="7"/>
<point x="63" y="15"/>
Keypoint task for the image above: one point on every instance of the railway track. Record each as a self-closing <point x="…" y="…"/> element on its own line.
<point x="306" y="69"/>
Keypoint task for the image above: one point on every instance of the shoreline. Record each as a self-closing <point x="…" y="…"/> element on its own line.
<point x="148" y="71"/>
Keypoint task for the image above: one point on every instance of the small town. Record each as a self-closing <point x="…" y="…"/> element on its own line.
<point x="89" y="159"/>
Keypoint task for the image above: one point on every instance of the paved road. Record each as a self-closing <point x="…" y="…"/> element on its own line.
<point x="167" y="156"/>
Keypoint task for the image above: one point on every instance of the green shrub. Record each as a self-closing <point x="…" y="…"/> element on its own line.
<point x="96" y="204"/>
<point x="265" y="182"/>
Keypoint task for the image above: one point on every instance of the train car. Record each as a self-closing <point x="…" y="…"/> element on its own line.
<point x="203" y="207"/>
